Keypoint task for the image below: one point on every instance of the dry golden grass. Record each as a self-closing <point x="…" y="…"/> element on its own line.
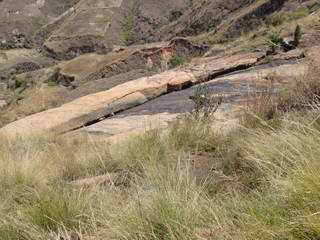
<point x="271" y="177"/>
<point x="265" y="109"/>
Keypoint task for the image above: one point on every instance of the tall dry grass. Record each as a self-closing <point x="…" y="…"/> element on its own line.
<point x="191" y="182"/>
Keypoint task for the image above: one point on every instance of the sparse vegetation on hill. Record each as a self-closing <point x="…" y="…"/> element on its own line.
<point x="128" y="25"/>
<point x="193" y="182"/>
<point x="238" y="161"/>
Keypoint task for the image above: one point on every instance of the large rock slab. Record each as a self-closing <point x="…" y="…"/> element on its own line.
<point x="88" y="109"/>
<point x="158" y="113"/>
<point x="86" y="74"/>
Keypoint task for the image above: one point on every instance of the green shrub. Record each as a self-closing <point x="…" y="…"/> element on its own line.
<point x="206" y="103"/>
<point x="128" y="25"/>
<point x="15" y="83"/>
<point x="275" y="39"/>
<point x="177" y="60"/>
<point x="298" y="33"/>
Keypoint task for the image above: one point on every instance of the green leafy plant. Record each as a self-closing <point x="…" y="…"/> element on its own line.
<point x="298" y="33"/>
<point x="15" y="83"/>
<point x="177" y="60"/>
<point x="128" y="25"/>
<point x="275" y="39"/>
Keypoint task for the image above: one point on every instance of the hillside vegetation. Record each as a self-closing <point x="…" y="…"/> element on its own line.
<point x="160" y="120"/>
<point x="192" y="182"/>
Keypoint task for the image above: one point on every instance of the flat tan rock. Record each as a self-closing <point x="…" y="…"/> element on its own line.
<point x="84" y="110"/>
<point x="158" y="113"/>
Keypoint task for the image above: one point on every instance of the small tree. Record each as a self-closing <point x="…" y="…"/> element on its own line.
<point x="206" y="103"/>
<point x="298" y="33"/>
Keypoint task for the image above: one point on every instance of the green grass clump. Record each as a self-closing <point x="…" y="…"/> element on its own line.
<point x="142" y="151"/>
<point x="275" y="39"/>
<point x="177" y="61"/>
<point x="289" y="166"/>
<point x="15" y="83"/>
<point x="168" y="201"/>
<point x="56" y="210"/>
<point x="194" y="135"/>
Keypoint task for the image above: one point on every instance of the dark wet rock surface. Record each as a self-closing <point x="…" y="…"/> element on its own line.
<point x="235" y="89"/>
<point x="179" y="102"/>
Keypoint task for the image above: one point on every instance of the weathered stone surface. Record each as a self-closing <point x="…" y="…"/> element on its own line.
<point x="92" y="73"/>
<point x="131" y="123"/>
<point x="157" y="113"/>
<point x="90" y="108"/>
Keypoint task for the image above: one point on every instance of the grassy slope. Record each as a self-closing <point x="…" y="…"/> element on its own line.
<point x="258" y="182"/>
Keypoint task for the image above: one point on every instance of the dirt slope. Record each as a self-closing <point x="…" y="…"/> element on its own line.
<point x="26" y="16"/>
<point x="98" y="25"/>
